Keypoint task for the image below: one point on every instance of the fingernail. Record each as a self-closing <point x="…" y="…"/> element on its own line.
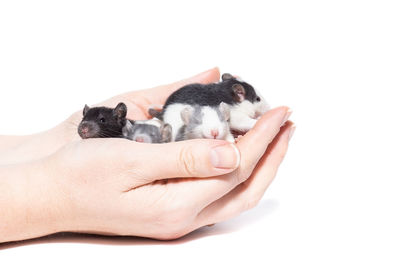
<point x="292" y="129"/>
<point x="225" y="157"/>
<point x="288" y="113"/>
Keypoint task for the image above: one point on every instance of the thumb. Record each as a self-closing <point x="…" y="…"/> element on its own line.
<point x="192" y="158"/>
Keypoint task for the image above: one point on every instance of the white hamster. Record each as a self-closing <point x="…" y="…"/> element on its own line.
<point x="205" y="122"/>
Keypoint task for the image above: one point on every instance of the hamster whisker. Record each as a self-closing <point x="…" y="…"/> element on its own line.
<point x="103" y="135"/>
<point x="113" y="131"/>
<point x="100" y="135"/>
<point x="107" y="135"/>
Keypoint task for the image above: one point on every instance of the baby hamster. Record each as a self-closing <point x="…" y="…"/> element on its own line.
<point x="245" y="104"/>
<point x="101" y="122"/>
<point x="147" y="131"/>
<point x="205" y="122"/>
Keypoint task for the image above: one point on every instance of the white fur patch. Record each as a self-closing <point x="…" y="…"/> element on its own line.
<point x="245" y="107"/>
<point x="212" y="122"/>
<point x="262" y="106"/>
<point x="172" y="116"/>
<point x="243" y="116"/>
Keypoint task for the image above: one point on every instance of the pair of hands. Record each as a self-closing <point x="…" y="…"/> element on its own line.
<point x="163" y="191"/>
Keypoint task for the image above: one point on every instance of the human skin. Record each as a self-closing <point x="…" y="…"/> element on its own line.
<point x="115" y="186"/>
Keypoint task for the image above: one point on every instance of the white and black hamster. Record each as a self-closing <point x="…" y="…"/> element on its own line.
<point x="245" y="104"/>
<point x="205" y="122"/>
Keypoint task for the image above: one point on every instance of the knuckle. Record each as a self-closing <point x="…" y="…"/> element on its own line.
<point x="187" y="162"/>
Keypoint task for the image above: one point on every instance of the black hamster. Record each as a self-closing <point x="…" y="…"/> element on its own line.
<point x="101" y="122"/>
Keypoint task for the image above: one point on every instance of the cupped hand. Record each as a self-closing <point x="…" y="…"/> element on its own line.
<point x="138" y="102"/>
<point x="28" y="148"/>
<point x="164" y="191"/>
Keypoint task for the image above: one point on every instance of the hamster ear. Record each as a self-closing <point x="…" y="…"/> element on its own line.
<point x="120" y="110"/>
<point x="154" y="113"/>
<point x="166" y="133"/>
<point x="186" y="113"/>
<point x="239" y="92"/>
<point x="226" y="76"/>
<point x="85" y="110"/>
<point x="225" y="110"/>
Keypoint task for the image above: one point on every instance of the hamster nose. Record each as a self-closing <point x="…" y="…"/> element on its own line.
<point x="214" y="133"/>
<point x="139" y="139"/>
<point x="84" y="131"/>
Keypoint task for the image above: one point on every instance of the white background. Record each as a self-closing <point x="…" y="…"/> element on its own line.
<point x="335" y="201"/>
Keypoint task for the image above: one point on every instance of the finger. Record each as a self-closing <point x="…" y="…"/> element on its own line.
<point x="254" y="143"/>
<point x="210" y="189"/>
<point x="192" y="158"/>
<point x="249" y="193"/>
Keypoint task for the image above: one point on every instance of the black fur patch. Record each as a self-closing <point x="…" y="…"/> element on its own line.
<point x="101" y="122"/>
<point x="211" y="94"/>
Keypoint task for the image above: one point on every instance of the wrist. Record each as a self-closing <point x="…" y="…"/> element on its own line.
<point x="30" y="201"/>
<point x="28" y="148"/>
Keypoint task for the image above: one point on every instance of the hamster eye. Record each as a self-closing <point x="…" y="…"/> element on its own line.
<point x="102" y="120"/>
<point x="258" y="99"/>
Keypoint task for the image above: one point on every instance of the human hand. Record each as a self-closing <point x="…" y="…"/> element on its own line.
<point x="139" y="102"/>
<point x="26" y="148"/>
<point x="163" y="191"/>
<point x="105" y="186"/>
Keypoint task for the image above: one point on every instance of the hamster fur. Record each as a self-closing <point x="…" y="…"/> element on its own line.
<point x="147" y="131"/>
<point x="245" y="104"/>
<point x="101" y="122"/>
<point x="205" y="122"/>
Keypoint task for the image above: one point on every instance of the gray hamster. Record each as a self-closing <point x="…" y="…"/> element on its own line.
<point x="147" y="131"/>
